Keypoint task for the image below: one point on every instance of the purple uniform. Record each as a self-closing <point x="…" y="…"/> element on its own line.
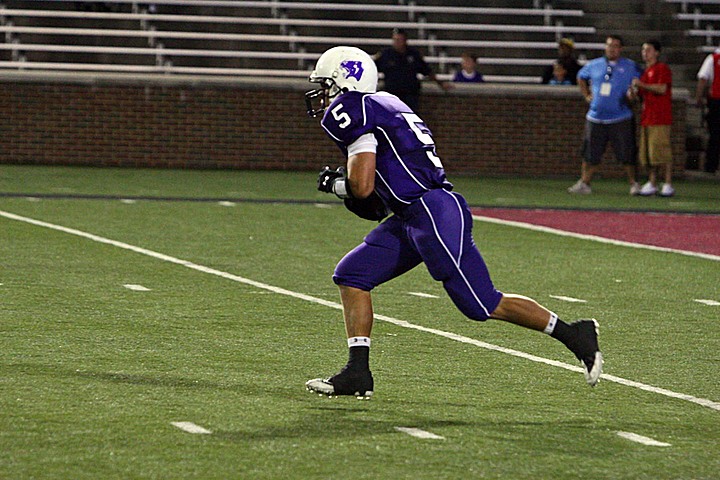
<point x="431" y="224"/>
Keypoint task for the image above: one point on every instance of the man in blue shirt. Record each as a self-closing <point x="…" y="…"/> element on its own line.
<point x="604" y="82"/>
<point x="392" y="165"/>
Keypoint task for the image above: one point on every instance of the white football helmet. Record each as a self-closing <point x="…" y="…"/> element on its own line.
<point x="340" y="70"/>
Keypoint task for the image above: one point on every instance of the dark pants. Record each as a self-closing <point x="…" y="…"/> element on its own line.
<point x="620" y="135"/>
<point x="712" y="153"/>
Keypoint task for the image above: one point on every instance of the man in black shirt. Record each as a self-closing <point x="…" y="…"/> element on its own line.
<point x="401" y="65"/>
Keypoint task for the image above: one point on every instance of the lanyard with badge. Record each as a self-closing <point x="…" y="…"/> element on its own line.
<point x="606" y="87"/>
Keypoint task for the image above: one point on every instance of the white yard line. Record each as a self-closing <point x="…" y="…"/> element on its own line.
<point x="136" y="288"/>
<point x="401" y="323"/>
<point x="634" y="437"/>
<point x="710" y="303"/>
<point x="422" y="295"/>
<point x="191" y="427"/>
<point x="595" y="238"/>
<point x="568" y="299"/>
<point x="417" y="433"/>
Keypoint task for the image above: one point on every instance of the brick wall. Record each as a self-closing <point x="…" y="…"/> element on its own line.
<point x="485" y="130"/>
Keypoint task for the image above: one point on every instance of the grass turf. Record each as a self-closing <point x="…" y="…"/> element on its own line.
<point x="92" y="373"/>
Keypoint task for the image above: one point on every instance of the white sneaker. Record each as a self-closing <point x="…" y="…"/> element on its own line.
<point x="647" y="190"/>
<point x="635" y="189"/>
<point x="580" y="188"/>
<point x="667" y="190"/>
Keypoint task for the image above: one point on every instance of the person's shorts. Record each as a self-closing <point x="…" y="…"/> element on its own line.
<point x="655" y="146"/>
<point x="621" y="135"/>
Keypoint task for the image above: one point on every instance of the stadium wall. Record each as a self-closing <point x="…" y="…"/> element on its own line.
<point x="496" y="130"/>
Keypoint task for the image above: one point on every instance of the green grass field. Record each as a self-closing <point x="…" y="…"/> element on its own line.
<point x="92" y="374"/>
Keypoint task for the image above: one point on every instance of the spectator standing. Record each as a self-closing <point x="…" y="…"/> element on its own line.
<point x="604" y="82"/>
<point x="567" y="58"/>
<point x="401" y="64"/>
<point x="708" y="90"/>
<point x="655" y="89"/>
<point x="468" y="70"/>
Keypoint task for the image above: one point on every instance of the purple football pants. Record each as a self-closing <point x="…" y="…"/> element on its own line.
<point x="435" y="230"/>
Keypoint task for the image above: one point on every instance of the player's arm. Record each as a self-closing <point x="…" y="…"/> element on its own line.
<point x="361" y="174"/>
<point x="357" y="180"/>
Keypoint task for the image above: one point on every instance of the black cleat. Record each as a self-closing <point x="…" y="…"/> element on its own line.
<point x="347" y="382"/>
<point x="585" y="347"/>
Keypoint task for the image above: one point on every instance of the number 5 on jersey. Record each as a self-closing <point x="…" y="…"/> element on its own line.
<point x="423" y="134"/>
<point x="342" y="117"/>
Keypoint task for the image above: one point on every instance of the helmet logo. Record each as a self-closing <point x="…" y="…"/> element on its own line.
<point x="353" y="68"/>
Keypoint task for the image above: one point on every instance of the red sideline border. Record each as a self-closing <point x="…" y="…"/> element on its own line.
<point x="689" y="233"/>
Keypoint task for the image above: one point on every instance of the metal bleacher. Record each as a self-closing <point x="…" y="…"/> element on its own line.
<point x="705" y="18"/>
<point x="209" y="38"/>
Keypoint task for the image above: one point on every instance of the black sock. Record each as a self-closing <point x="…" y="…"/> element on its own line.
<point x="359" y="358"/>
<point x="563" y="332"/>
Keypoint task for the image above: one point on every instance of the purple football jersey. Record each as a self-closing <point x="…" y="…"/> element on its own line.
<point x="407" y="165"/>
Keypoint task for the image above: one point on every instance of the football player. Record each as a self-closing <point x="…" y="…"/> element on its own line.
<point x="393" y="167"/>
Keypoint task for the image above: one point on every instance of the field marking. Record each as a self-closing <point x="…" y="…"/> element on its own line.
<point x="568" y="299"/>
<point x="225" y="203"/>
<point x="191" y="427"/>
<point x="634" y="437"/>
<point x="710" y="303"/>
<point x="418" y="433"/>
<point x="400" y="323"/>
<point x="136" y="288"/>
<point x="422" y="295"/>
<point x="594" y="238"/>
<point x="128" y="201"/>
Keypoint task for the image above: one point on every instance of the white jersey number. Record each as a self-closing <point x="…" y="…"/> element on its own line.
<point x="342" y="117"/>
<point x="425" y="138"/>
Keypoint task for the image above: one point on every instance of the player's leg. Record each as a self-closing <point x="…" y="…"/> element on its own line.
<point x="383" y="255"/>
<point x="357" y="311"/>
<point x="523" y="311"/>
<point x="441" y="232"/>
<point x="580" y="337"/>
<point x="443" y="236"/>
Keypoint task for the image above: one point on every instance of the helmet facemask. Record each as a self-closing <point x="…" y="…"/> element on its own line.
<point x="322" y="96"/>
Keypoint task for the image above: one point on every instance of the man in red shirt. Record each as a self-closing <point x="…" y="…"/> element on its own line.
<point x="708" y="90"/>
<point x="655" y="89"/>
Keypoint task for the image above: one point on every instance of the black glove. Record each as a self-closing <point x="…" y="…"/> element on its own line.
<point x="370" y="208"/>
<point x="327" y="178"/>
